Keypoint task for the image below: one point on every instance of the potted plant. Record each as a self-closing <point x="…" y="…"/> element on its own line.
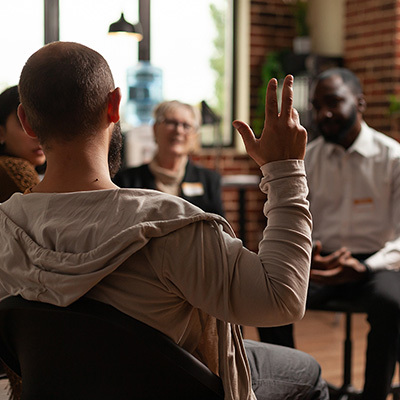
<point x="302" y="41"/>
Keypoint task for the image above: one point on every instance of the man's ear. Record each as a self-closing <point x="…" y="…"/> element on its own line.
<point x="361" y="103"/>
<point x="114" y="100"/>
<point x="24" y="122"/>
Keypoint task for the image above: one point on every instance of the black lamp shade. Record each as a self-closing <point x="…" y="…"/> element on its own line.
<point x="123" y="26"/>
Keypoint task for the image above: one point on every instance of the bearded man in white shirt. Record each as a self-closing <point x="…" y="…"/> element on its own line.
<point x="353" y="176"/>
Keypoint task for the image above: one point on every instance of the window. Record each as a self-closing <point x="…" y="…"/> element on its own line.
<point x="191" y="41"/>
<point x="21" y="34"/>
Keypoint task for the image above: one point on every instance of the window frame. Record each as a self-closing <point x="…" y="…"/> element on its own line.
<point x="238" y="105"/>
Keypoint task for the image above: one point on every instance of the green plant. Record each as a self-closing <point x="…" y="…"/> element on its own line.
<point x="394" y="105"/>
<point x="300" y="8"/>
<point x="271" y="68"/>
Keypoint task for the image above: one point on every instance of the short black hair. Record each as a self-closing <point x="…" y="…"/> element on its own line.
<point x="64" y="89"/>
<point x="348" y="78"/>
<point x="9" y="102"/>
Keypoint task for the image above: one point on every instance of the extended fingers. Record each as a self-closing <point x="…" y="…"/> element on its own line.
<point x="287" y="97"/>
<point x="271" y="101"/>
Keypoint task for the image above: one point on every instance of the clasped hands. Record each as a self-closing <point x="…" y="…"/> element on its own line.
<point x="336" y="268"/>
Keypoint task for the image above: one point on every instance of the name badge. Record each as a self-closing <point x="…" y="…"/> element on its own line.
<point x="363" y="201"/>
<point x="363" y="205"/>
<point x="192" y="189"/>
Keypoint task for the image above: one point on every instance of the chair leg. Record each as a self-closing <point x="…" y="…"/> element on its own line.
<point x="347" y="390"/>
<point x="347" y="352"/>
<point x="343" y="394"/>
<point x="396" y="395"/>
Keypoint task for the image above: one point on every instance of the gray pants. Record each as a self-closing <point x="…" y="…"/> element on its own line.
<point x="282" y="373"/>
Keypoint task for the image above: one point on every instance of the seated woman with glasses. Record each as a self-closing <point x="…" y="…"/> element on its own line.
<point x="175" y="132"/>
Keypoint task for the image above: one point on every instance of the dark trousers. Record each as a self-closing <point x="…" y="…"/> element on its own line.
<point x="380" y="296"/>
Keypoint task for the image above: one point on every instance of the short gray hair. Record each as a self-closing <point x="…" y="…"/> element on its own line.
<point x="166" y="106"/>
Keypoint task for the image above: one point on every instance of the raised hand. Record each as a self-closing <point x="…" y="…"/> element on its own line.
<point x="282" y="137"/>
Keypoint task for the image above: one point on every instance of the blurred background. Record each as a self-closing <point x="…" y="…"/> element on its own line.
<point x="218" y="55"/>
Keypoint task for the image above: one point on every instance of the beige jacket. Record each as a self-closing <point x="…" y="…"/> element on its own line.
<point x="165" y="262"/>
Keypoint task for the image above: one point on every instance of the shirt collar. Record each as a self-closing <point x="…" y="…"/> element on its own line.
<point x="364" y="143"/>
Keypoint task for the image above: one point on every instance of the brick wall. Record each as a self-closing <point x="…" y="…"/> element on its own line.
<point x="231" y="163"/>
<point x="372" y="52"/>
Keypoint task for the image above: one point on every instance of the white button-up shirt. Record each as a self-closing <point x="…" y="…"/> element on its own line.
<point x="355" y="196"/>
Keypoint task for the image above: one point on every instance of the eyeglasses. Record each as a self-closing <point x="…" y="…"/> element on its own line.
<point x="174" y="124"/>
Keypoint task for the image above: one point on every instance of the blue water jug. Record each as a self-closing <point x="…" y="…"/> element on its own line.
<point x="144" y="93"/>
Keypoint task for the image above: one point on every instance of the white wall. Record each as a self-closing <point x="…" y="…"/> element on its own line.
<point x="326" y="21"/>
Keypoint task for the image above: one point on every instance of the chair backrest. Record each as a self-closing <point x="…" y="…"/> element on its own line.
<point x="91" y="350"/>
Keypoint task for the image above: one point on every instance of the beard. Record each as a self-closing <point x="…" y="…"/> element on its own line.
<point x="114" y="152"/>
<point x="343" y="128"/>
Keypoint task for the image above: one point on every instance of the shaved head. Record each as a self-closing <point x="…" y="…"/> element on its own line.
<point x="64" y="90"/>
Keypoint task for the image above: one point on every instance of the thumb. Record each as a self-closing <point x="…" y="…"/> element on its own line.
<point x="317" y="247"/>
<point x="246" y="133"/>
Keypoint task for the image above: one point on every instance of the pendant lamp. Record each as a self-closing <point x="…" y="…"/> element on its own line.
<point x="124" y="27"/>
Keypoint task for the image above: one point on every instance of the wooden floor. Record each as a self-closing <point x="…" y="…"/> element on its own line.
<point x="321" y="334"/>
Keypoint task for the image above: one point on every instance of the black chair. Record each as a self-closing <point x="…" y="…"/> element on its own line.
<point x="2" y="373"/>
<point x="91" y="350"/>
<point x="346" y="391"/>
